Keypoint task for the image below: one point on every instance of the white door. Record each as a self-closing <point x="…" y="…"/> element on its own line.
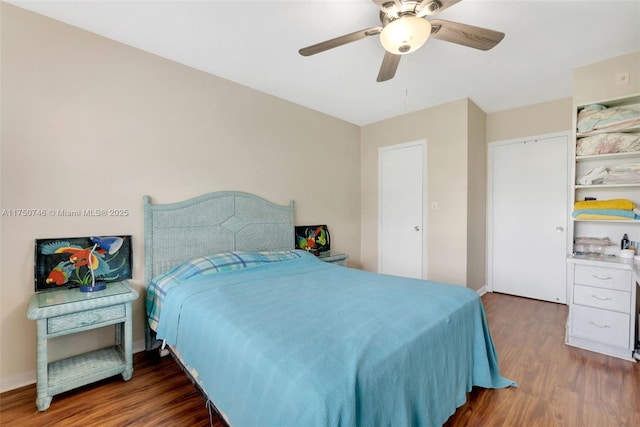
<point x="402" y="184"/>
<point x="528" y="191"/>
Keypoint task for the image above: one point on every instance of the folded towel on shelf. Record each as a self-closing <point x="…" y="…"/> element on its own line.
<point x="605" y="217"/>
<point x="601" y="241"/>
<point x="621" y="204"/>
<point x="629" y="214"/>
<point x="623" y="174"/>
<point x="594" y="176"/>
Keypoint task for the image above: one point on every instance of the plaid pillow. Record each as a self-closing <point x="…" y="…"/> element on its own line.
<point x="161" y="284"/>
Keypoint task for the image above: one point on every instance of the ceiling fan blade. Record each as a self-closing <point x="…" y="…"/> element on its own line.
<point x="388" y="67"/>
<point x="339" y="41"/>
<point x="431" y="7"/>
<point x="465" y="35"/>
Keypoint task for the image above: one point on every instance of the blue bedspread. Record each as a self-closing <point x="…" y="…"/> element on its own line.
<point x="307" y="343"/>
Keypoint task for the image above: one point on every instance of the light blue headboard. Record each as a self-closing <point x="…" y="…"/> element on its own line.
<point x="212" y="223"/>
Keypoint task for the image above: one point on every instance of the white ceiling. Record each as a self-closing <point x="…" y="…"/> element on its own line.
<point x="255" y="43"/>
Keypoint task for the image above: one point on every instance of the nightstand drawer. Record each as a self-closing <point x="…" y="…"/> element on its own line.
<point x="85" y="318"/>
<point x="610" y="278"/>
<point x="602" y="326"/>
<point x="607" y="299"/>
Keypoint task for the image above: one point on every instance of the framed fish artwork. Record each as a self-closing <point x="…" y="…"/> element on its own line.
<point x="64" y="262"/>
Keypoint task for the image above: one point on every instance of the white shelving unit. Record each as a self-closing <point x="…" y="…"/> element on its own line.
<point x="603" y="295"/>
<point x="614" y="230"/>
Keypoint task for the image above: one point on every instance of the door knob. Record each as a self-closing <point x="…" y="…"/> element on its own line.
<point x="559" y="229"/>
<point x="417" y="228"/>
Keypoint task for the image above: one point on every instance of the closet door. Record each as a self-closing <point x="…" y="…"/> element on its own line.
<point x="528" y="214"/>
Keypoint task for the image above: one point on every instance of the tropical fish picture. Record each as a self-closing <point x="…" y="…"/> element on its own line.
<point x="65" y="262"/>
<point x="313" y="238"/>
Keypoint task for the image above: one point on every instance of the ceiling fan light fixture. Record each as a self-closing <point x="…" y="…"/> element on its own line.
<point x="405" y="35"/>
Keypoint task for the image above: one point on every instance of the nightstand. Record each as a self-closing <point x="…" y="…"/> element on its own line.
<point x="334" y="257"/>
<point x="68" y="311"/>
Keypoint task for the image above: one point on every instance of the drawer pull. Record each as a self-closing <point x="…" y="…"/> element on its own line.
<point x="602" y="278"/>
<point x="600" y="326"/>
<point x="88" y="319"/>
<point x="601" y="299"/>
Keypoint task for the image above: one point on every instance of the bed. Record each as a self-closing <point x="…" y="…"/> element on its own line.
<point x="277" y="337"/>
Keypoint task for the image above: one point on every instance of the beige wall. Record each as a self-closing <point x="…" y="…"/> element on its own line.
<point x="445" y="129"/>
<point x="476" y="198"/>
<point x="457" y="134"/>
<point x="598" y="82"/>
<point x="537" y="119"/>
<point x="91" y="123"/>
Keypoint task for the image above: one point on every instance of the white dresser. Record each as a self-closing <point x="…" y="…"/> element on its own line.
<point x="603" y="305"/>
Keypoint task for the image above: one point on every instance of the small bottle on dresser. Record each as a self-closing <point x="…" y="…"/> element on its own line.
<point x="624" y="243"/>
<point x="626" y="249"/>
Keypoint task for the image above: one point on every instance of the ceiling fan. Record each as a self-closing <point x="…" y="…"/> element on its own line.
<point x="405" y="29"/>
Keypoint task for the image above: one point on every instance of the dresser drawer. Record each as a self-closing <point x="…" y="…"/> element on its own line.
<point x="603" y="326"/>
<point x="607" y="299"/>
<point x="85" y="318"/>
<point x="610" y="278"/>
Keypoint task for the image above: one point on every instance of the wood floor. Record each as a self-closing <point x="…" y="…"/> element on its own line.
<point x="557" y="385"/>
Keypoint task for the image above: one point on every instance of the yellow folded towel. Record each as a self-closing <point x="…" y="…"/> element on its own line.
<point x="603" y="217"/>
<point x="622" y="204"/>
